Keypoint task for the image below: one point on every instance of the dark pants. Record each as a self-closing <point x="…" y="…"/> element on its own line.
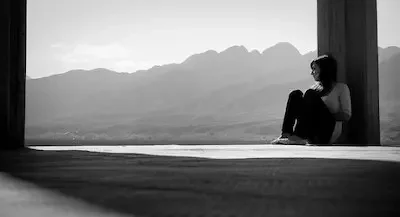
<point x="313" y="119"/>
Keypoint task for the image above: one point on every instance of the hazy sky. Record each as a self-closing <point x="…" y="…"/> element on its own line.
<point x="127" y="35"/>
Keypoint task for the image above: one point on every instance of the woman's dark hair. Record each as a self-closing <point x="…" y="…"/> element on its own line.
<point x="328" y="67"/>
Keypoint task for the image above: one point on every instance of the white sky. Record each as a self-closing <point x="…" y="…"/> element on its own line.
<point x="128" y="35"/>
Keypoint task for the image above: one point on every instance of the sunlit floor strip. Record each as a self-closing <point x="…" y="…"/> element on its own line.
<point x="247" y="151"/>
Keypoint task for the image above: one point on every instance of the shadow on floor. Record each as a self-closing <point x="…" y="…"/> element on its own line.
<point x="148" y="185"/>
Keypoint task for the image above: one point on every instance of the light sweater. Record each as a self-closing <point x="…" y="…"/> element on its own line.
<point x="338" y="100"/>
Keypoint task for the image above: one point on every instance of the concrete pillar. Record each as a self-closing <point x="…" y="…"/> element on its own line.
<point x="348" y="30"/>
<point x="12" y="73"/>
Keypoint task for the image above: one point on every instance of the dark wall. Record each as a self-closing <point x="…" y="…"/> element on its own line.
<point x="12" y="72"/>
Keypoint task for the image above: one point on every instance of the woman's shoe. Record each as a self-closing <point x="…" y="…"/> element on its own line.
<point x="296" y="140"/>
<point x="282" y="139"/>
<point x="279" y="140"/>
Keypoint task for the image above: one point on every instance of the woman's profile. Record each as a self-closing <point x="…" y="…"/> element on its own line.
<point x="320" y="111"/>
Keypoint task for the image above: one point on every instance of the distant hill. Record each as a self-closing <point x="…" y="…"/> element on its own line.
<point x="389" y="77"/>
<point x="389" y="94"/>
<point x="230" y="95"/>
<point x="101" y="91"/>
<point x="310" y="56"/>
<point x="386" y="53"/>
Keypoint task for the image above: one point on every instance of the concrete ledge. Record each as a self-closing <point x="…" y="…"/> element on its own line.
<point x="247" y="151"/>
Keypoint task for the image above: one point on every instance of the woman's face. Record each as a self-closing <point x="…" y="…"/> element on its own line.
<point x="315" y="72"/>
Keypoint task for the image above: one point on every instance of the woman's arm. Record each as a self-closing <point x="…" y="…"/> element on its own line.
<point x="342" y="116"/>
<point x="345" y="105"/>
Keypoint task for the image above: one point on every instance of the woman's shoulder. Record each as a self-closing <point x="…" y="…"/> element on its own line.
<point x="341" y="85"/>
<point x="342" y="88"/>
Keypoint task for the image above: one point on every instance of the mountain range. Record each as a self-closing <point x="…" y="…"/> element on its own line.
<point x="231" y="95"/>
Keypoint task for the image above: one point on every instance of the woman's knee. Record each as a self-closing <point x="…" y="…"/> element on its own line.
<point x="296" y="94"/>
<point x="310" y="93"/>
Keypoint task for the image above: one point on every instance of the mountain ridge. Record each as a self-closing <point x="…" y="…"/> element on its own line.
<point x="231" y="87"/>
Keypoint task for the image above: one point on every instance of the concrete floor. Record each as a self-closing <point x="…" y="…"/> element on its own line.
<point x="257" y="180"/>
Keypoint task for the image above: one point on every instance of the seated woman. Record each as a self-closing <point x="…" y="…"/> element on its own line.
<point x="320" y="111"/>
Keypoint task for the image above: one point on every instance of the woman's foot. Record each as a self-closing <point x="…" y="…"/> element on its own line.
<point x="296" y="140"/>
<point x="315" y="141"/>
<point x="282" y="139"/>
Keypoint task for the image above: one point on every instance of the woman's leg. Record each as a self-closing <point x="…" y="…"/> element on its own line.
<point x="292" y="112"/>
<point x="316" y="122"/>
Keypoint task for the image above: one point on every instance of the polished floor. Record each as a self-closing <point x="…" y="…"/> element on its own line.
<point x="245" y="180"/>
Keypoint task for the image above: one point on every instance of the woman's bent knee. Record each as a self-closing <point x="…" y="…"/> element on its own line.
<point x="296" y="94"/>
<point x="310" y="93"/>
